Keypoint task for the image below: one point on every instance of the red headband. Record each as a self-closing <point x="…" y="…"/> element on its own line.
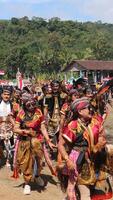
<point x="81" y="105"/>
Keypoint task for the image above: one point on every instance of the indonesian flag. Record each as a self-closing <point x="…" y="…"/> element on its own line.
<point x="19" y="80"/>
<point x="20" y="83"/>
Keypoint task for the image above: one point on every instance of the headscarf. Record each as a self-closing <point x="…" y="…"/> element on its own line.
<point x="80" y="104"/>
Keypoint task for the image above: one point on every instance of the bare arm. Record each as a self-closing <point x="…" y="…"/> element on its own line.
<point x="65" y="155"/>
<point x="21" y="131"/>
<point x="101" y="141"/>
<point x="44" y="131"/>
<point x="62" y="119"/>
<point x="46" y="136"/>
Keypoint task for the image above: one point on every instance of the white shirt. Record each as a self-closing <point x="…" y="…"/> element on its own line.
<point x="5" y="108"/>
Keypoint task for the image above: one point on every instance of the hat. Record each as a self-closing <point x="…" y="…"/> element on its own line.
<point x="55" y="83"/>
<point x="73" y="91"/>
<point x="80" y="104"/>
<point x="7" y="89"/>
<point x="17" y="90"/>
<point x="27" y="97"/>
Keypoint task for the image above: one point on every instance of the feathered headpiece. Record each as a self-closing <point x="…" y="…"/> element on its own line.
<point x="95" y="99"/>
<point x="104" y="88"/>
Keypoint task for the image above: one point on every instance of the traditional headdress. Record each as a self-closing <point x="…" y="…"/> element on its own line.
<point x="27" y="97"/>
<point x="80" y="104"/>
<point x="105" y="87"/>
<point x="73" y="91"/>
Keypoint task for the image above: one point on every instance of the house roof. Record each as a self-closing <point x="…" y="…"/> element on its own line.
<point x="89" y="65"/>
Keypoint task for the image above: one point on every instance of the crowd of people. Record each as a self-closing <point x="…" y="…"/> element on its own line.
<point x="63" y="125"/>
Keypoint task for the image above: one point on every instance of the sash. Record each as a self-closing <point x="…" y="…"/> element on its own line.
<point x="88" y="134"/>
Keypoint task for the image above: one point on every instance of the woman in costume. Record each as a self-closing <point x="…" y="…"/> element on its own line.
<point x="30" y="128"/>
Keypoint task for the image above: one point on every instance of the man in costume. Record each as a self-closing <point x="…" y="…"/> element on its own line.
<point x="16" y="101"/>
<point x="53" y="105"/>
<point x="30" y="127"/>
<point x="6" y="124"/>
<point x="65" y="111"/>
<point x="42" y="100"/>
<point x="86" y="140"/>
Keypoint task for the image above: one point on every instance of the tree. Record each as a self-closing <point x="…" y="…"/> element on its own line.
<point x="14" y="21"/>
<point x="102" y="48"/>
<point x="15" y="60"/>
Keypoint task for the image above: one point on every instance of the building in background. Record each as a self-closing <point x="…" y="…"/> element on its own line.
<point x="94" y="70"/>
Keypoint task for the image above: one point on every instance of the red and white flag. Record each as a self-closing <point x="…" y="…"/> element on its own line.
<point x="19" y="80"/>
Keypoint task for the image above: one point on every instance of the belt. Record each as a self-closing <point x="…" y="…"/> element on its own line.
<point x="24" y="138"/>
<point x="79" y="148"/>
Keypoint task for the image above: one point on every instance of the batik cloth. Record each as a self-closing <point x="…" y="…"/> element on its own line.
<point x="29" y="148"/>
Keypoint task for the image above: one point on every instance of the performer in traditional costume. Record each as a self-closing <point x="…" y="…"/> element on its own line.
<point x="73" y="94"/>
<point x="86" y="140"/>
<point x="53" y="104"/>
<point x="42" y="101"/>
<point x="66" y="115"/>
<point x="16" y="101"/>
<point x="30" y="127"/>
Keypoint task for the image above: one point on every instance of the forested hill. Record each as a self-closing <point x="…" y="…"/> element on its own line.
<point x="38" y="45"/>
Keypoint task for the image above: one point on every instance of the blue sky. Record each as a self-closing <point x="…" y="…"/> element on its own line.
<point x="80" y="10"/>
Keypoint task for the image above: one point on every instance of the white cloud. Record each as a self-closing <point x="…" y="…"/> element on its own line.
<point x="93" y="9"/>
<point x="99" y="9"/>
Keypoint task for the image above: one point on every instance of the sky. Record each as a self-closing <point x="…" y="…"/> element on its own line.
<point x="76" y="10"/>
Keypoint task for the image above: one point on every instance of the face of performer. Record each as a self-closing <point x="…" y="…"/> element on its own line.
<point x="89" y="93"/>
<point x="55" y="88"/>
<point x="85" y="113"/>
<point x="30" y="105"/>
<point x="6" y="96"/>
<point x="17" y="94"/>
<point x="74" y="96"/>
<point x="49" y="91"/>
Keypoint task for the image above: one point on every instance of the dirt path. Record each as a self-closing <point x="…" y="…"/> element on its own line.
<point x="11" y="189"/>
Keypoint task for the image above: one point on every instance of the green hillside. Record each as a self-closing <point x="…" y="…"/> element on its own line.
<point x="39" y="46"/>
